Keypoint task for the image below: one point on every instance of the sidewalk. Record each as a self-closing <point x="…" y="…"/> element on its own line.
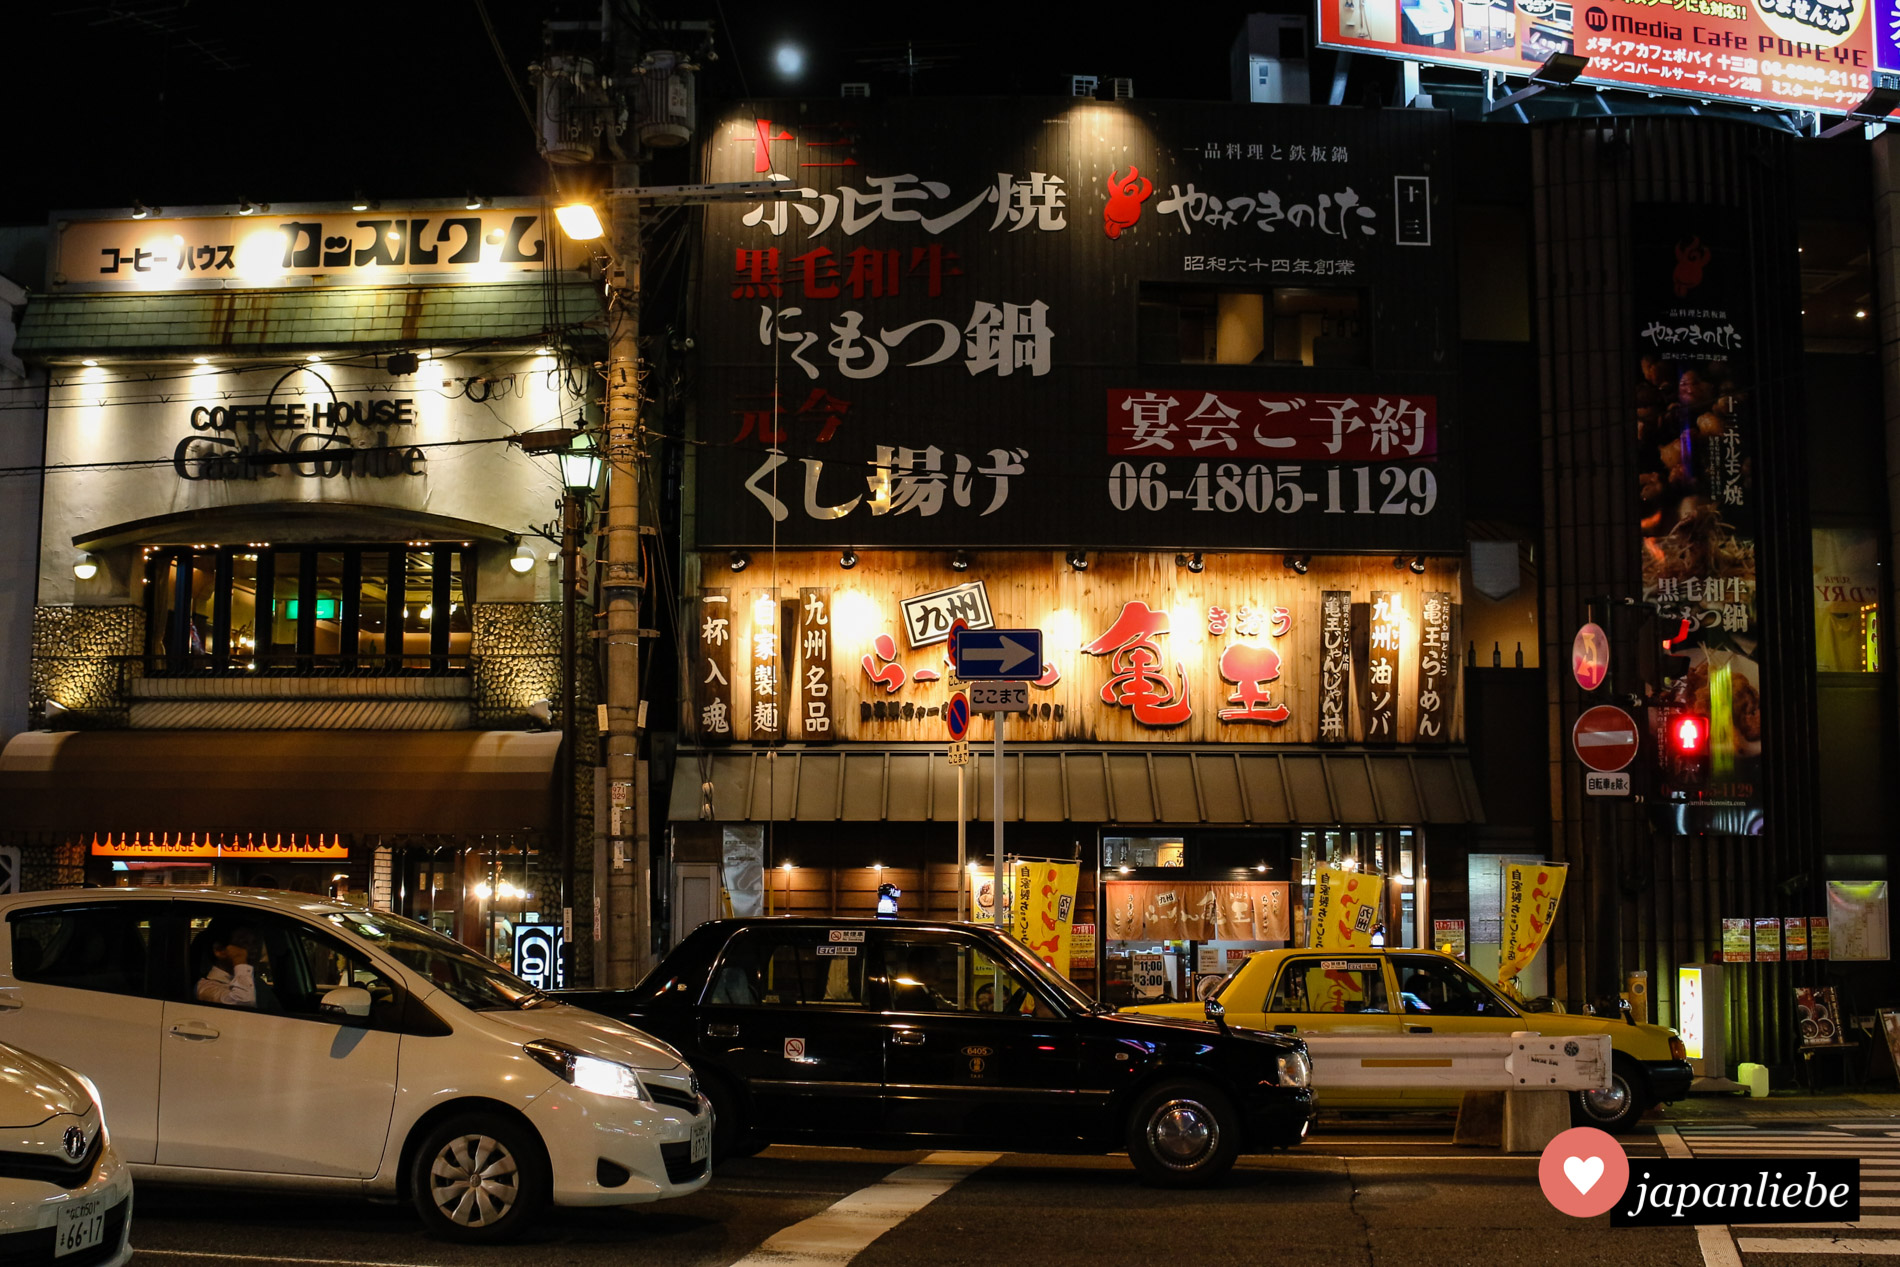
<point x="1791" y="1104"/>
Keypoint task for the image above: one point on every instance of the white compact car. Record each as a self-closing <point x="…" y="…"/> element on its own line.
<point x="277" y="1040"/>
<point x="65" y="1196"/>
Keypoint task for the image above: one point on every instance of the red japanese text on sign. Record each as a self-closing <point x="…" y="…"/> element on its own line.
<point x="1140" y="681"/>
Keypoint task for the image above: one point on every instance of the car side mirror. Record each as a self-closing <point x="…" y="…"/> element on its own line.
<point x="1217" y="1013"/>
<point x="347" y="1003"/>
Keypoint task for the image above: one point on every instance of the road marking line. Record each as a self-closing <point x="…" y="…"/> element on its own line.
<point x="268" y="1258"/>
<point x="844" y="1230"/>
<point x="1871" y="1222"/>
<point x="1717" y="1246"/>
<point x="1718" y="1249"/>
<point x="1816" y="1245"/>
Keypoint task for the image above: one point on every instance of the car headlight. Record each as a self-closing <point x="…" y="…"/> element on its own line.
<point x="1295" y="1070"/>
<point x="589" y="1073"/>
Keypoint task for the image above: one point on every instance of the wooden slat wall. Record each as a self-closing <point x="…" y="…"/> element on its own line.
<point x="1040" y="590"/>
<point x="1663" y="901"/>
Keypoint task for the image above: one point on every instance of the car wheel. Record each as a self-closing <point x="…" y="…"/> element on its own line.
<point x="1617" y="1108"/>
<point x="730" y="1139"/>
<point x="1183" y="1134"/>
<point x="479" y="1179"/>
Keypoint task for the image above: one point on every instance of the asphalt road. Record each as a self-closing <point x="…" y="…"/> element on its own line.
<point x="1386" y="1196"/>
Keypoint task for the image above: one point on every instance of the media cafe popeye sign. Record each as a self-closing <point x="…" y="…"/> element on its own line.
<point x="309" y="440"/>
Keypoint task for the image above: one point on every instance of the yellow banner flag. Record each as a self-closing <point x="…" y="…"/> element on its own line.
<point x="1347" y="906"/>
<point x="1042" y="919"/>
<point x="1531" y="890"/>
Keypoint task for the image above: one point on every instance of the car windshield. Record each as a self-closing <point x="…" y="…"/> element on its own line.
<point x="1069" y="992"/>
<point x="479" y="984"/>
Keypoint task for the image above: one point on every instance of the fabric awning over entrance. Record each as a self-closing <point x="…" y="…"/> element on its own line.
<point x="462" y="782"/>
<point x="1179" y="785"/>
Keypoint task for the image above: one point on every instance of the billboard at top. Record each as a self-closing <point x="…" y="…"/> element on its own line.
<point x="1079" y="324"/>
<point x="1792" y="54"/>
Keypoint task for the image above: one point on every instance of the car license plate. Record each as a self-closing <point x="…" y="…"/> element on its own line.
<point x="80" y="1226"/>
<point x="702" y="1139"/>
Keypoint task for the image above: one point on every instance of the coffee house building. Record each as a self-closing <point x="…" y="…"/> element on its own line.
<point x="1173" y="384"/>
<point x="298" y="619"/>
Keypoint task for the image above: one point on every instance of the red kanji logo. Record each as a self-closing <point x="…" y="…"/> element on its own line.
<point x="1251" y="669"/>
<point x="891" y="675"/>
<point x="1140" y="681"/>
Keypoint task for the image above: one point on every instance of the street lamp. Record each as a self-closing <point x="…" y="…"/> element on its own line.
<point x="580" y="475"/>
<point x="579" y="221"/>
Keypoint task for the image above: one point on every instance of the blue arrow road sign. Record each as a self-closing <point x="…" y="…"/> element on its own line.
<point x="956" y="715"/>
<point x="1002" y="655"/>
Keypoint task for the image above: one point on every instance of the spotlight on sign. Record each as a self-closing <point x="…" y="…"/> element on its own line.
<point x="1298" y="562"/>
<point x="848" y="560"/>
<point x="1192" y="562"/>
<point x="739" y="560"/>
<point x="1417" y="564"/>
<point x="960" y="561"/>
<point x="1079" y="560"/>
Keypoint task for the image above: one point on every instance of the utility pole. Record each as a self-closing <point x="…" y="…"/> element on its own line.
<point x="628" y="905"/>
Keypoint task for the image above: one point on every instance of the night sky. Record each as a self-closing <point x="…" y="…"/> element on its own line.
<point x="197" y="102"/>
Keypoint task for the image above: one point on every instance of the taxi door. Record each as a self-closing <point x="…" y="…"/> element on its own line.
<point x="973" y="1050"/>
<point x="1438" y="994"/>
<point x="1319" y="993"/>
<point x="785" y="1017"/>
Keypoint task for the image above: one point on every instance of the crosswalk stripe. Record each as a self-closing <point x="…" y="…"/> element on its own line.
<point x="839" y="1233"/>
<point x="1815" y="1245"/>
<point x="1868" y="1223"/>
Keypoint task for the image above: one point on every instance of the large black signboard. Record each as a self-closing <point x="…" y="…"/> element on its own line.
<point x="1075" y="323"/>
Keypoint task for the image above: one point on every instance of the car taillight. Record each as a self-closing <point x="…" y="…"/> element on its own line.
<point x="1676" y="1050"/>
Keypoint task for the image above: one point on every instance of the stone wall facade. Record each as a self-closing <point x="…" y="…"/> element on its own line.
<point x="82" y="659"/>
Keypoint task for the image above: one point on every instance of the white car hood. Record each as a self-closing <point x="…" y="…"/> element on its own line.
<point x="589" y="1034"/>
<point x="32" y="1090"/>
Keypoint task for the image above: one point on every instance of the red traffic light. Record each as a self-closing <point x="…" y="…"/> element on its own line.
<point x="1691" y="734"/>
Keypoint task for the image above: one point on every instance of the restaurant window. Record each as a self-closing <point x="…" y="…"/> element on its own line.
<point x="394" y="608"/>
<point x="1125" y="853"/>
<point x="1282" y="326"/>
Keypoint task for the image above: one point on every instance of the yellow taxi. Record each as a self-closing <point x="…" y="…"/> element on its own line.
<point x="1396" y="992"/>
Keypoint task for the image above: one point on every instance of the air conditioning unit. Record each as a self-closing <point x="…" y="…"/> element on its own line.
<point x="1122" y="89"/>
<point x="1083" y="85"/>
<point x="1269" y="62"/>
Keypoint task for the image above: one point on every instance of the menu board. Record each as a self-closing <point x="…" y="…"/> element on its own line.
<point x="1735" y="947"/>
<point x="1768" y="940"/>
<point x="1794" y="938"/>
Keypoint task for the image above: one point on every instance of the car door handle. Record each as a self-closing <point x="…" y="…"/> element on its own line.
<point x="197" y="1031"/>
<point x="722" y="1031"/>
<point x="1286" y="1029"/>
<point x="908" y="1038"/>
<point x="11" y="1003"/>
<point x="1418" y="1029"/>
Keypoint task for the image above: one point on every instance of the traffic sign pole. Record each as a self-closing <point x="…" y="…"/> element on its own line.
<point x="999" y="720"/>
<point x="963" y="872"/>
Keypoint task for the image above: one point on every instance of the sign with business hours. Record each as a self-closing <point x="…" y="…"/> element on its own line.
<point x="1149" y="975"/>
<point x="1590" y="656"/>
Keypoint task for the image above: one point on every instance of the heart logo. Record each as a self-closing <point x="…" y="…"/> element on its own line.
<point x="1583" y="1172"/>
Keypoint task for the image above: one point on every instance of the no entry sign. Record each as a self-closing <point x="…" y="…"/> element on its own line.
<point x="1605" y="738"/>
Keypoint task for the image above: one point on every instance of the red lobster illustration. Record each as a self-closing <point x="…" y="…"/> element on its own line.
<point x="1124" y="200"/>
<point x="1690" y="261"/>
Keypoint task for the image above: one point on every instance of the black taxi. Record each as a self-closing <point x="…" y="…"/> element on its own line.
<point x="892" y="1033"/>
